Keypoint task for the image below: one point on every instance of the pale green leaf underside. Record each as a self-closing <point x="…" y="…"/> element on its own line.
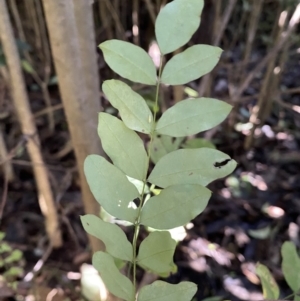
<point x="162" y="291"/>
<point x="190" y="166"/>
<point x="115" y="282"/>
<point x="156" y="252"/>
<point x="113" y="237"/>
<point x="132" y="107"/>
<point x="176" y="23"/>
<point x="269" y="285"/>
<point x="124" y="147"/>
<point x="175" y="206"/>
<point x="111" y="188"/>
<point x="190" y="64"/>
<point x="129" y="61"/>
<point x="191" y="116"/>
<point x="291" y="265"/>
<point x="162" y="145"/>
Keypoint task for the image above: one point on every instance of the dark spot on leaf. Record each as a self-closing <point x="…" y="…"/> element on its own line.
<point x="222" y="163"/>
<point x="137" y="202"/>
<point x="190" y="173"/>
<point x="88" y="224"/>
<point x="158" y="136"/>
<point x="155" y="149"/>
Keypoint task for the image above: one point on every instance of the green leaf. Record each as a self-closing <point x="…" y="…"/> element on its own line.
<point x="190" y="64"/>
<point x="291" y="265"/>
<point x="162" y="145"/>
<point x="129" y="61"/>
<point x="115" y="282"/>
<point x="175" y="206"/>
<point x="132" y="107"/>
<point x="198" y="143"/>
<point x="124" y="147"/>
<point x="269" y="285"/>
<point x="191" y="166"/>
<point x="111" y="188"/>
<point x="191" y="116"/>
<point x="176" y="23"/>
<point x="162" y="291"/>
<point x="156" y="252"/>
<point x="113" y="237"/>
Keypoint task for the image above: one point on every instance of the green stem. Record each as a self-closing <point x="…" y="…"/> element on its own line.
<point x="137" y="223"/>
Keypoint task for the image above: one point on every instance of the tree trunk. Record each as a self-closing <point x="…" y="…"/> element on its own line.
<point x="74" y="64"/>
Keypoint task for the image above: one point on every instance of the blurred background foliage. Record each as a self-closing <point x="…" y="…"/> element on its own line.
<point x="251" y="213"/>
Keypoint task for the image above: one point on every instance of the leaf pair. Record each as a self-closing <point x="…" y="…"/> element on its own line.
<point x="133" y="63"/>
<point x="187" y="117"/>
<point x="123" y="288"/>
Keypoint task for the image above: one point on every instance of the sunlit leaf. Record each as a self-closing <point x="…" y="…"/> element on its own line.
<point x="176" y="23"/>
<point x="269" y="285"/>
<point x="111" y="188"/>
<point x="91" y="284"/>
<point x="191" y="116"/>
<point x="129" y="61"/>
<point x="291" y="265"/>
<point x="156" y="252"/>
<point x="124" y="147"/>
<point x="198" y="143"/>
<point x="111" y="235"/>
<point x="191" y="166"/>
<point x="190" y="64"/>
<point x="162" y="145"/>
<point x="175" y="206"/>
<point x="132" y="107"/>
<point x="116" y="283"/>
<point x="162" y="291"/>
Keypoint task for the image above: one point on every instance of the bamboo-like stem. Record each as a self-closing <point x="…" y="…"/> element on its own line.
<point x="7" y="167"/>
<point x="219" y="30"/>
<point x="268" y="88"/>
<point x="135" y="22"/>
<point x="277" y="47"/>
<point x="21" y="103"/>
<point x="66" y="52"/>
<point x="43" y="84"/>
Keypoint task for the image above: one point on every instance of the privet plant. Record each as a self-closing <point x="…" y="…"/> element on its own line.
<point x="122" y="187"/>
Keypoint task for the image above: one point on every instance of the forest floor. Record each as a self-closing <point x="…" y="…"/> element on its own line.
<point x="251" y="212"/>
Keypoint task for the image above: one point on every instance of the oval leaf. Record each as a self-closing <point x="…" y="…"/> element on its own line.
<point x="175" y="206"/>
<point x="111" y="188"/>
<point x="191" y="116"/>
<point x="132" y="107"/>
<point x="124" y="147"/>
<point x="269" y="285"/>
<point x="129" y="61"/>
<point x="191" y="166"/>
<point x="176" y="23"/>
<point x="156" y="252"/>
<point x="113" y="237"/>
<point x="291" y="265"/>
<point x="162" y="291"/>
<point x="115" y="282"/>
<point x="190" y="64"/>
